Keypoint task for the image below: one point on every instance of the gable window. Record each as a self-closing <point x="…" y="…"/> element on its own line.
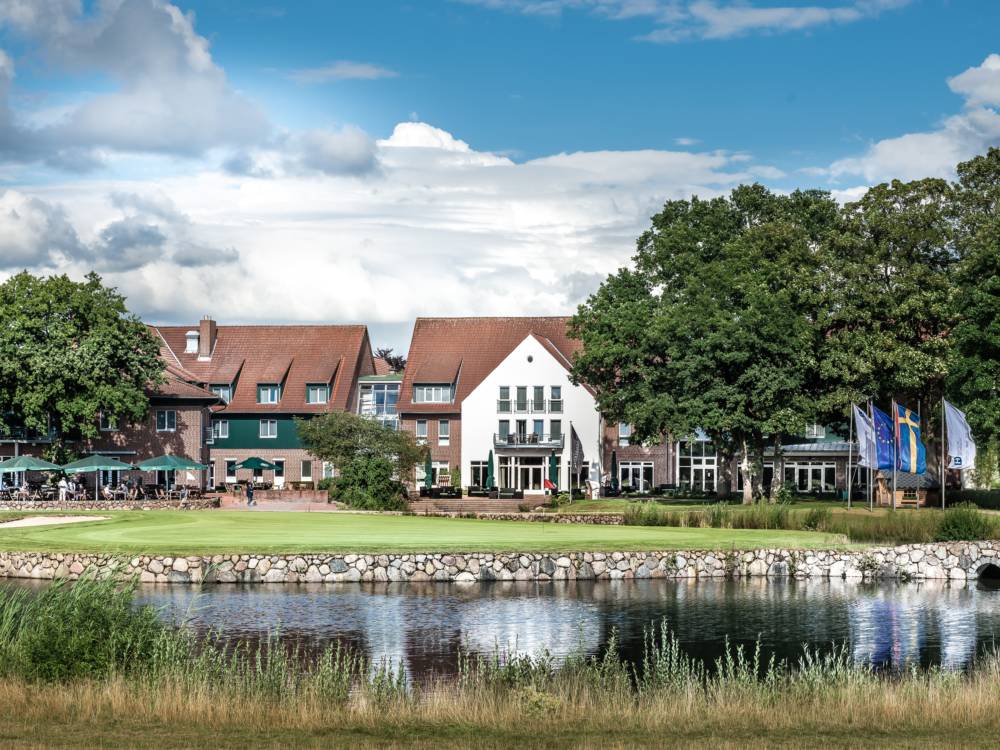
<point x="268" y="393"/>
<point x="223" y="390"/>
<point x="816" y="431"/>
<point x="421" y="431"/>
<point x="503" y="402"/>
<point x="432" y="394"/>
<point x="556" y="403"/>
<point x="220" y="428"/>
<point x="166" y="420"/>
<point x="108" y="423"/>
<point x="269" y="428"/>
<point x="317" y="393"/>
<point x="444" y="432"/>
<point x="624" y="434"/>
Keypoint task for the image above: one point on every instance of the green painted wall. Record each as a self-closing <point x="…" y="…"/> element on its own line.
<point x="244" y="432"/>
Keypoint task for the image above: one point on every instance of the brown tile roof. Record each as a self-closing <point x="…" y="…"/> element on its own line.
<point x="382" y="367"/>
<point x="470" y="349"/>
<point x="177" y="387"/>
<point x="292" y="355"/>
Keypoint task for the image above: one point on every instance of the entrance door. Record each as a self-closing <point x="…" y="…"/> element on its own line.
<point x="279" y="473"/>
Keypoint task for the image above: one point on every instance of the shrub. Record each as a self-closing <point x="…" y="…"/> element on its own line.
<point x="817" y="519"/>
<point x="964" y="522"/>
<point x="367" y="483"/>
<point x="650" y="514"/>
<point x="719" y="516"/>
<point x="988" y="499"/>
<point x="325" y="483"/>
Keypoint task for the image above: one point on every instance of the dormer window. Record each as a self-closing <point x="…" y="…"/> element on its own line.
<point x="268" y="393"/>
<point x="317" y="393"/>
<point x="432" y="394"/>
<point x="223" y="390"/>
<point x="191" y="342"/>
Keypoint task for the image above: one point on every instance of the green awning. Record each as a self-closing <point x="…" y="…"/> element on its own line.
<point x="256" y="464"/>
<point x="170" y="463"/>
<point x="26" y="463"/>
<point x="96" y="463"/>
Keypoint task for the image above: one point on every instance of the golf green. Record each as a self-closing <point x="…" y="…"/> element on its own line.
<point x="208" y="532"/>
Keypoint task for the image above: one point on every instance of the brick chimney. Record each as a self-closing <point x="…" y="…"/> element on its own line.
<point x="206" y="338"/>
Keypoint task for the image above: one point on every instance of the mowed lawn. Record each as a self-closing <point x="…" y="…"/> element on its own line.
<point x="207" y="532"/>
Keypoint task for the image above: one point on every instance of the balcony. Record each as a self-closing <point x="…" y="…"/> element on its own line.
<point x="503" y="405"/>
<point x="555" y="405"/>
<point x="529" y="440"/>
<point x="27" y="435"/>
<point x="511" y="406"/>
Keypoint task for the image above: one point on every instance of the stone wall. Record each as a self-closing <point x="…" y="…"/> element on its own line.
<point x="958" y="561"/>
<point x="201" y="503"/>
<point x="599" y="519"/>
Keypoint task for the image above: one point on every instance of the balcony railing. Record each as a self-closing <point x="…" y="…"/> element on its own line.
<point x="528" y="440"/>
<point x="510" y="406"/>
<point x="503" y="405"/>
<point x="556" y="405"/>
<point x="26" y="435"/>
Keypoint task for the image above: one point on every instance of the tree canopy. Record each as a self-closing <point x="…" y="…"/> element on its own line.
<point x="70" y="351"/>
<point x="341" y="437"/>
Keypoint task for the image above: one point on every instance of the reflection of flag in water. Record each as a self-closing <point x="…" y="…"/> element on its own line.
<point x="885" y="439"/>
<point x="912" y="454"/>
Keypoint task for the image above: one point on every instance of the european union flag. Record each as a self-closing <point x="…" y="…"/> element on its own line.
<point x="912" y="454"/>
<point x="885" y="439"/>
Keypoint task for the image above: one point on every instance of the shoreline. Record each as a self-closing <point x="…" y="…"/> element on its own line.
<point x="955" y="561"/>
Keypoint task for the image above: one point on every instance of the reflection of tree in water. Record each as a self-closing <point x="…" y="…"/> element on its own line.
<point x="424" y="626"/>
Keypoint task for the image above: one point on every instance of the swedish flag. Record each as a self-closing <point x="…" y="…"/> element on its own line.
<point x="911" y="456"/>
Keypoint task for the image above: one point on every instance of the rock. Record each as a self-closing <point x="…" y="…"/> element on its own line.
<point x="180" y="565"/>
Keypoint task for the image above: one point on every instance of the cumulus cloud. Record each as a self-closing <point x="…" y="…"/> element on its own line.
<point x="935" y="153"/>
<point x="169" y="96"/>
<point x="342" y="70"/>
<point x="36" y="234"/>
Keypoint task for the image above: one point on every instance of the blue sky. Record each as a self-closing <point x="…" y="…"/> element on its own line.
<point x="328" y="158"/>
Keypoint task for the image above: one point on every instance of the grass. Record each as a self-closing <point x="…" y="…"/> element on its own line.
<point x="170" y="690"/>
<point x="210" y="532"/>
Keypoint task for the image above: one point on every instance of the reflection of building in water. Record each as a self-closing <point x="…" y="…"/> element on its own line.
<point x="531" y="626"/>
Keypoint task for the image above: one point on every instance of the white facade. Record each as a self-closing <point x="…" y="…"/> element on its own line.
<point x="529" y="366"/>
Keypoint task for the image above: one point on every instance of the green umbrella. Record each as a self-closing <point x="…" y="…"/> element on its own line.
<point x="255" y="463"/>
<point x="614" y="470"/>
<point x="96" y="463"/>
<point x="554" y="471"/>
<point x="489" y="472"/>
<point x="26" y="463"/>
<point x="170" y="463"/>
<point x="428" y="472"/>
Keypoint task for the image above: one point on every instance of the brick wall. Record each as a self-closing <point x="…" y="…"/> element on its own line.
<point x="452" y="453"/>
<point x="293" y="463"/>
<point x="662" y="455"/>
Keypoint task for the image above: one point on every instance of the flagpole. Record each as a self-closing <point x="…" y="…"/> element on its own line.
<point x="871" y="469"/>
<point x="920" y="477"/>
<point x="895" y="450"/>
<point x="943" y="455"/>
<point x="850" y="451"/>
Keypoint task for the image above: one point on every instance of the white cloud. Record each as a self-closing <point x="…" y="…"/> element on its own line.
<point x="342" y="70"/>
<point x="678" y="20"/>
<point x="935" y="153"/>
<point x="686" y="141"/>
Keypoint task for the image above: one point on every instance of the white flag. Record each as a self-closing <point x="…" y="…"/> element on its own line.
<point x="866" y="438"/>
<point x="961" y="446"/>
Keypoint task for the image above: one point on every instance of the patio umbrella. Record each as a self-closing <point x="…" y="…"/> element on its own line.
<point x="255" y="463"/>
<point x="96" y="464"/>
<point x="614" y="470"/>
<point x="428" y="472"/>
<point x="26" y="463"/>
<point x="170" y="463"/>
<point x="554" y="472"/>
<point x="489" y="472"/>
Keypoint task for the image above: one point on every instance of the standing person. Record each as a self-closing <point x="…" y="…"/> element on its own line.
<point x="63" y="488"/>
<point x="250" y="493"/>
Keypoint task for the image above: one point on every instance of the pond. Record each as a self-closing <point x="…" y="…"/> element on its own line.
<point x="425" y="626"/>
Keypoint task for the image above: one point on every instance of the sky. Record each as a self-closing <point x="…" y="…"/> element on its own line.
<point x="314" y="161"/>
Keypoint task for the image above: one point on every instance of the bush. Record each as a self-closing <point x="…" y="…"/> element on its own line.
<point x="367" y="483"/>
<point x="719" y="516"/>
<point x="817" y="519"/>
<point x="964" y="522"/>
<point x="325" y="484"/>
<point x="987" y="499"/>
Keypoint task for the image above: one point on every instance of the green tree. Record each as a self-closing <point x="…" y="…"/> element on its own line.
<point x="975" y="362"/>
<point x="69" y="351"/>
<point x="368" y="483"/>
<point x="716" y="326"/>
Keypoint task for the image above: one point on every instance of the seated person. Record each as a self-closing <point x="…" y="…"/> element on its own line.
<point x="106" y="493"/>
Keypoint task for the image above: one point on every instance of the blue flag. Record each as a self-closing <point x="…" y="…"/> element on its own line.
<point x="885" y="439"/>
<point x="912" y="454"/>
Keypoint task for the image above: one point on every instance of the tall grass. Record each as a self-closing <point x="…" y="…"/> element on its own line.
<point x="962" y="522"/>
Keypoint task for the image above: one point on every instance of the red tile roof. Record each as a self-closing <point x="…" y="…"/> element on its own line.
<point x="382" y="367"/>
<point x="466" y="350"/>
<point x="291" y="355"/>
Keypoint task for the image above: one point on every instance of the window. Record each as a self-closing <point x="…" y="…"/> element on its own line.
<point x="503" y="403"/>
<point x="624" y="434"/>
<point x="166" y="420"/>
<point x="379" y="402"/>
<point x="432" y="394"/>
<point x="317" y="393"/>
<point x="220" y="428"/>
<point x="696" y="465"/>
<point x="555" y="430"/>
<point x="811" y="476"/>
<point x="440" y="473"/>
<point x="108" y="423"/>
<point x="521" y="403"/>
<point x="538" y="428"/>
<point x="556" y="404"/>
<point x="268" y="393"/>
<point x="538" y="398"/>
<point x="444" y="432"/>
<point x="230" y="469"/>
<point x="816" y="431"/>
<point x="279" y="470"/>
<point x="503" y="429"/>
<point x="478" y="473"/>
<point x="269" y="428"/>
<point x="327" y="470"/>
<point x="307" y="470"/>
<point x="110" y="478"/>
<point x="636" y="475"/>
<point x="223" y="390"/>
<point x="211" y="475"/>
<point x="421" y="431"/>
